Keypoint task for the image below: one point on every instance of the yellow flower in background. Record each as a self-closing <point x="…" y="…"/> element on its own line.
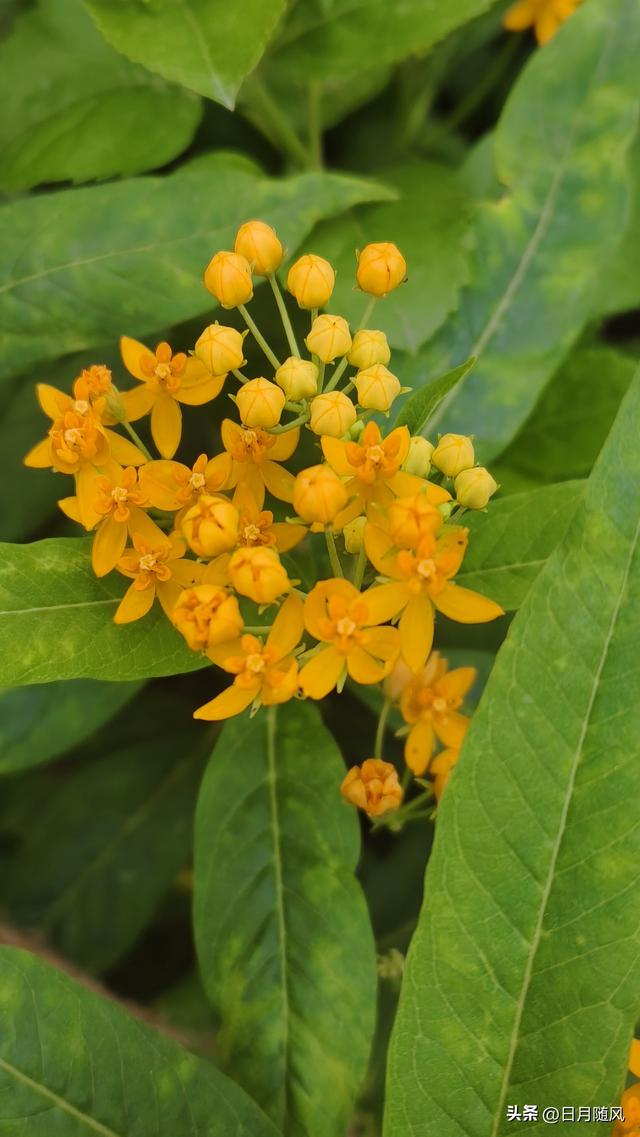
<point x="441" y="767"/>
<point x="430" y="704"/>
<point x="381" y="268"/>
<point x="373" y="787"/>
<point x="311" y="280"/>
<point x="172" y="486"/>
<point x="157" y="567"/>
<point x="166" y="381"/>
<point x="258" y="243"/>
<point x="264" y="673"/>
<point x="421" y="580"/>
<point x="255" y="457"/>
<point x="544" y="16"/>
<point x="228" y="278"/>
<point x="206" y="615"/>
<point x="347" y="621"/>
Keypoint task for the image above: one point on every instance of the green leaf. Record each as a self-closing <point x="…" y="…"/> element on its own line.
<point x="620" y="285"/>
<point x="206" y="45"/>
<point x="82" y="1065"/>
<point x="569" y="424"/>
<point x="141" y="268"/>
<point x="56" y="621"/>
<point x="429" y="222"/>
<point x="509" y="545"/>
<point x="91" y="889"/>
<point x="419" y="407"/>
<point x="340" y="38"/>
<point x="282" y="932"/>
<point x="522" y="978"/>
<point x="79" y="110"/>
<point x="561" y="149"/>
<point x="40" y="722"/>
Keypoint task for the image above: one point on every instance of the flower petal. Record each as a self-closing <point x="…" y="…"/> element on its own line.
<point x="383" y="643"/>
<point x="455" y="684"/>
<point x="280" y="482"/>
<point x="160" y="481"/>
<point x="519" y="16"/>
<point x="108" y="545"/>
<point x="363" y="668"/>
<point x="230" y="702"/>
<point x="465" y="606"/>
<point x="134" y="605"/>
<point x="288" y="627"/>
<point x="285" y="445"/>
<point x="137" y="402"/>
<point x="418" y="747"/>
<point x="416" y="631"/>
<point x="132" y="351"/>
<point x="384" y="601"/>
<point x="321" y="673"/>
<point x="39" y="457"/>
<point x="451" y="728"/>
<point x="142" y="526"/>
<point x="70" y="508"/>
<point x="86" y="495"/>
<point x="203" y="391"/>
<point x="187" y="572"/>
<point x="379" y="549"/>
<point x="287" y="536"/>
<point x="315" y="606"/>
<point x="166" y="425"/>
<point x="53" y="402"/>
<point x="123" y="451"/>
<point x="335" y="451"/>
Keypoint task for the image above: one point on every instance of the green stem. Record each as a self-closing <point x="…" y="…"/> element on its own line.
<point x="299" y="421"/>
<point x="257" y="631"/>
<point x="239" y="376"/>
<point x="321" y="368"/>
<point x="378" y="746"/>
<point x="284" y="316"/>
<point x="333" y="553"/>
<point x="135" y="437"/>
<point x="361" y="565"/>
<point x="367" y="312"/>
<point x="258" y="336"/>
<point x="338" y="373"/>
<point x="315" y="126"/>
<point x="278" y="127"/>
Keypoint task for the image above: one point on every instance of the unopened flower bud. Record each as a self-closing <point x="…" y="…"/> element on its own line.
<point x="418" y="460"/>
<point x="329" y="337"/>
<point x="256" y="572"/>
<point x="381" y="268"/>
<point x="258" y="243"/>
<point x="298" y="378"/>
<point x="373" y="787"/>
<point x="206" y="615"/>
<point x="369" y="347"/>
<point x="311" y="280"/>
<point x="319" y="495"/>
<point x="210" y="526"/>
<point x="220" y="349"/>
<point x="377" y="387"/>
<point x="353" y="534"/>
<point x="260" y="403"/>
<point x="411" y="518"/>
<point x="228" y="278"/>
<point x="332" y="413"/>
<point x="474" y="487"/>
<point x="453" y="453"/>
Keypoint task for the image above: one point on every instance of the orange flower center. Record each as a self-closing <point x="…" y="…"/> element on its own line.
<point x="251" y="445"/>
<point x="343" y="624"/>
<point x="197" y="482"/>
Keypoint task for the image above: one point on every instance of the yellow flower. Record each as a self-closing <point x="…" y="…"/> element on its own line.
<point x="337" y="615"/>
<point x="220" y="349"/>
<point x="353" y="534"/>
<point x="377" y="387"/>
<point x="422" y="580"/>
<point x="311" y="280"/>
<point x="544" y="16"/>
<point x="258" y="243"/>
<point x="264" y="673"/>
<point x="319" y="495"/>
<point x="418" y="460"/>
<point x="254" y="458"/>
<point x="441" y="767"/>
<point x="228" y="278"/>
<point x="329" y="337"/>
<point x="256" y="572"/>
<point x="298" y="378"/>
<point x="171" y="485"/>
<point x="167" y="380"/>
<point x="119" y="501"/>
<point x="381" y="268"/>
<point x="430" y="704"/>
<point x="260" y="403"/>
<point x="332" y="414"/>
<point x="474" y="487"/>
<point x="210" y="527"/>
<point x="94" y="383"/>
<point x="453" y="453"/>
<point x="368" y="347"/>
<point x="630" y="1102"/>
<point x="411" y="518"/>
<point x="373" y="787"/>
<point x="157" y="567"/>
<point x="257" y="527"/>
<point x="206" y="615"/>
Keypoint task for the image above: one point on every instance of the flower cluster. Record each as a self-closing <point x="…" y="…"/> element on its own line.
<point x="215" y="542"/>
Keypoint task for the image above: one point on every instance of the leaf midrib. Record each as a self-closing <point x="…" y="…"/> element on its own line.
<point x="538" y="930"/>
<point x="279" y="906"/>
<point x="58" y="1101"/>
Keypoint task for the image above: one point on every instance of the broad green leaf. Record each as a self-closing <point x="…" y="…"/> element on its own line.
<point x="509" y="545"/>
<point x="523" y="975"/>
<point x="40" y="722"/>
<point x="568" y="426"/>
<point x="620" y="284"/>
<point x="429" y="222"/>
<point x="561" y="151"/>
<point x="282" y="932"/>
<point x="206" y="45"/>
<point x="340" y="38"/>
<point x="140" y="269"/>
<point x="56" y="621"/>
<point x="79" y="111"/>
<point x="419" y="407"/>
<point x="91" y="889"/>
<point x="73" y="1064"/>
